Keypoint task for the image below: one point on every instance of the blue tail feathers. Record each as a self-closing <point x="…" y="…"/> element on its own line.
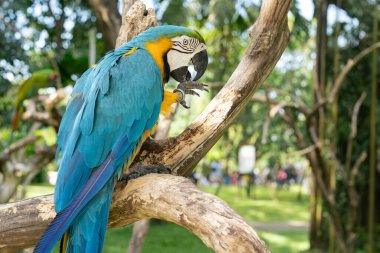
<point x="98" y="183"/>
<point x="91" y="223"/>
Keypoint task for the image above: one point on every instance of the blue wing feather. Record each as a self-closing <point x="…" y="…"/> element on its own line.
<point x="105" y="120"/>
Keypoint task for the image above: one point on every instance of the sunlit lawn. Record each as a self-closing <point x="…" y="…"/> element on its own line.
<point x="38" y="190"/>
<point x="286" y="241"/>
<point x="268" y="206"/>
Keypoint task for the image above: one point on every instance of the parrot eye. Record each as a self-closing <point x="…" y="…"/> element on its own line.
<point x="185" y="42"/>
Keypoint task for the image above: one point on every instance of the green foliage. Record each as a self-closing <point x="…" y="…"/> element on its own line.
<point x="175" y="13"/>
<point x="28" y="35"/>
<point x="48" y="134"/>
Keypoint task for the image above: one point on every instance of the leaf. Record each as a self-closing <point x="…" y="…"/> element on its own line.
<point x="48" y="134"/>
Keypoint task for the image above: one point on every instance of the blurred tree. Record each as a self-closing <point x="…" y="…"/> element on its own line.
<point x="344" y="206"/>
<point x="33" y="29"/>
<point x="108" y="20"/>
<point x="29" y="88"/>
<point x="36" y="35"/>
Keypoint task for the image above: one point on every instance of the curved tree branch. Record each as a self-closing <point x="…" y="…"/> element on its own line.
<point x="342" y="75"/>
<point x="164" y="197"/>
<point x="269" y="37"/>
<point x="23" y="222"/>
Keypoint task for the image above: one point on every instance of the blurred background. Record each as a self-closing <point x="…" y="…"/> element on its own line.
<point x="300" y="162"/>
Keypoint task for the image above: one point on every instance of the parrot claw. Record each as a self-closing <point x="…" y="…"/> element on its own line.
<point x="190" y="85"/>
<point x="138" y="170"/>
<point x="189" y="88"/>
<point x="192" y="92"/>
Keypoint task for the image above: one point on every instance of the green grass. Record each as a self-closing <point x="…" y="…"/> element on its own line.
<point x="162" y="237"/>
<point x="268" y="205"/>
<point x="286" y="241"/>
<point x="171" y="238"/>
<point x="38" y="190"/>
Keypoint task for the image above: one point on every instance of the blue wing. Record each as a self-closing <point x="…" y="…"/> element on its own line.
<point x="98" y="117"/>
<point x="112" y="107"/>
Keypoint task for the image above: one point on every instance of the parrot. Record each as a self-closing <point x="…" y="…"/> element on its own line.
<point x="114" y="107"/>
<point x="29" y="88"/>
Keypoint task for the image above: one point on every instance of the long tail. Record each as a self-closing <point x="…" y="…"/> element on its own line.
<point x="95" y="184"/>
<point x="14" y="123"/>
<point x="16" y="118"/>
<point x="87" y="232"/>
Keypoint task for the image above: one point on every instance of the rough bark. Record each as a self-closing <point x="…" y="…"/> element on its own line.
<point x="269" y="37"/>
<point x="108" y="20"/>
<point x="140" y="229"/>
<point x="164" y="197"/>
<point x="136" y="18"/>
<point x="206" y="216"/>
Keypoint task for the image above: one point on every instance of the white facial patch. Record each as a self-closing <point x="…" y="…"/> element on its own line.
<point x="183" y="50"/>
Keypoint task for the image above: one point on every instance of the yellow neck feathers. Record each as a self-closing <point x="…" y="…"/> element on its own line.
<point x="157" y="49"/>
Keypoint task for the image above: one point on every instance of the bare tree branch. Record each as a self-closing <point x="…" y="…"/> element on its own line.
<point x="269" y="39"/>
<point x="136" y="20"/>
<point x="208" y="217"/>
<point x="164" y="197"/>
<point x="29" y="139"/>
<point x="354" y="124"/>
<point x="339" y="80"/>
<point x="282" y="105"/>
<point x="140" y="229"/>
<point x="354" y="197"/>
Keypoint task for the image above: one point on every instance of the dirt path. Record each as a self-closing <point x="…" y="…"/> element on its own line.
<point x="280" y="226"/>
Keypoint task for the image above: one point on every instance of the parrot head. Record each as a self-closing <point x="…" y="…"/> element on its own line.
<point x="53" y="76"/>
<point x="186" y="51"/>
<point x="176" y="50"/>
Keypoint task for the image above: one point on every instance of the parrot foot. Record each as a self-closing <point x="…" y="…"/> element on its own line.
<point x="138" y="170"/>
<point x="188" y="88"/>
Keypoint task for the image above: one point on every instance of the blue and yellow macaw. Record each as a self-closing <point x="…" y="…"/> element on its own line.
<point x="113" y="109"/>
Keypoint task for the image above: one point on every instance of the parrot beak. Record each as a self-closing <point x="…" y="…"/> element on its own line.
<point x="53" y="77"/>
<point x="181" y="74"/>
<point x="200" y="62"/>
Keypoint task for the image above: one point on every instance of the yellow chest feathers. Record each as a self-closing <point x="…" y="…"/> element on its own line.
<point x="157" y="49"/>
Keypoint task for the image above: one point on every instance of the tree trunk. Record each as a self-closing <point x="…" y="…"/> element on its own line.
<point x="108" y="20"/>
<point x="319" y="89"/>
<point x="8" y="186"/>
<point x="373" y="138"/>
<point x="140" y="229"/>
<point x="164" y="197"/>
<point x="334" y="119"/>
<point x="313" y="230"/>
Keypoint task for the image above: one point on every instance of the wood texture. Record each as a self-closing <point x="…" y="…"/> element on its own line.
<point x="168" y="197"/>
<point x="269" y="37"/>
<point x="136" y="19"/>
<point x="140" y="230"/>
<point x="165" y="197"/>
